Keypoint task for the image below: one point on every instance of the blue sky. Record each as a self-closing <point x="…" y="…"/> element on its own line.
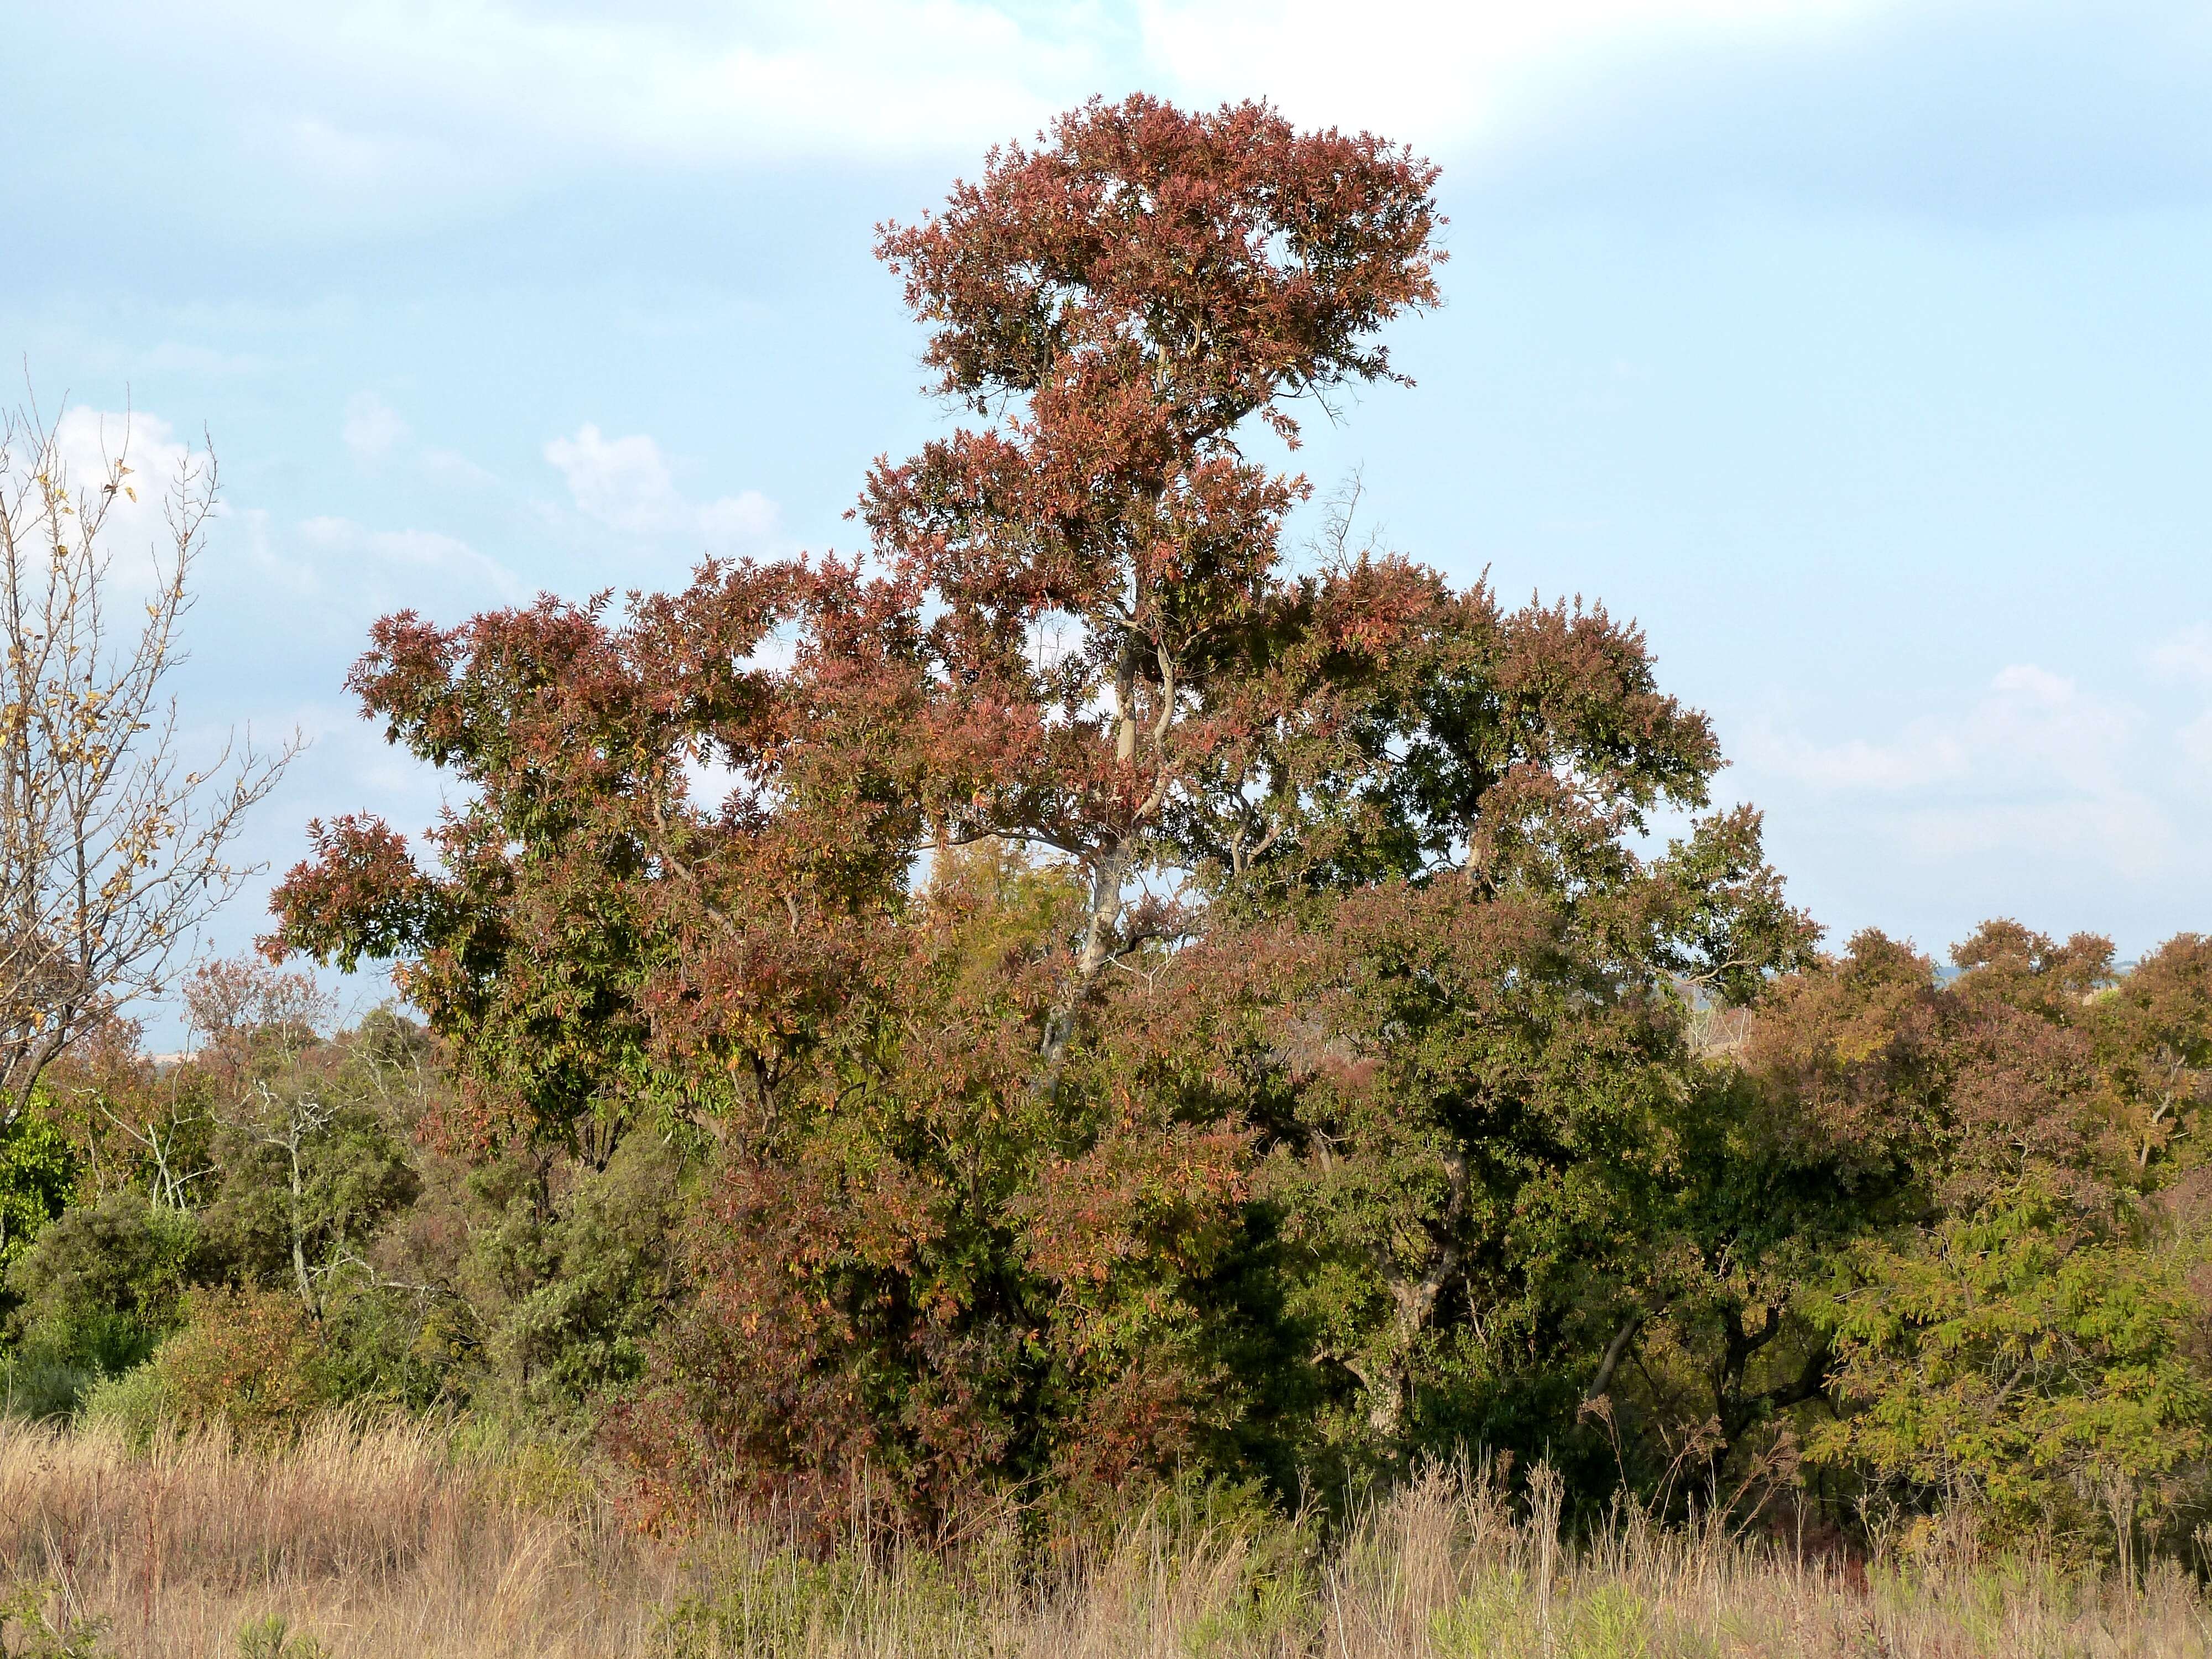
<point x="1859" y="348"/>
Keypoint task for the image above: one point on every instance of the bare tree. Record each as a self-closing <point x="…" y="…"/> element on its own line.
<point x="113" y="848"/>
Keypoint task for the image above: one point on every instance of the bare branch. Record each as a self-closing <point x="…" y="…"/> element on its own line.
<point x="113" y="848"/>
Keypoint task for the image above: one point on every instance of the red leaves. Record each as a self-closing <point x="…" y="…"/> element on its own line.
<point x="1136" y="289"/>
<point x="360" y="895"/>
<point x="1164" y="1192"/>
<point x="2017" y="1066"/>
<point x="1218" y="256"/>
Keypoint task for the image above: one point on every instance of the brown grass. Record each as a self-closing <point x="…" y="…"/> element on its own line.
<point x="382" y="1542"/>
<point x="371" y="1540"/>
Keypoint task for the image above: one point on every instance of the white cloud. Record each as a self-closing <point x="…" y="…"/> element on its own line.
<point x="1974" y="106"/>
<point x="1447" y="75"/>
<point x="135" y="530"/>
<point x="383" y="85"/>
<point x="348" y="573"/>
<point x="1922" y="754"/>
<point x="2126" y="832"/>
<point x="337" y="155"/>
<point x="2185" y="659"/>
<point x="388" y="92"/>
<point x="2030" y="722"/>
<point x="341" y="545"/>
<point x="2186" y="655"/>
<point x="373" y="428"/>
<point x="454" y="467"/>
<point x="626" y="484"/>
<point x="2035" y="762"/>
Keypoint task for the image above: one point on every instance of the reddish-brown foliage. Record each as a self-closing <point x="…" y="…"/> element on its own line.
<point x="1132" y="989"/>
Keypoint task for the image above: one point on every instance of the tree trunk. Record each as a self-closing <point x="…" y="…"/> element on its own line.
<point x="299" y="1230"/>
<point x="1097" y="950"/>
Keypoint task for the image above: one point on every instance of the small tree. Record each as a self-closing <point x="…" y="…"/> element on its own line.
<point x="113" y="846"/>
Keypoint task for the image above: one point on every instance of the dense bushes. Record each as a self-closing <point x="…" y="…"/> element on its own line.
<point x="2029" y="1333"/>
<point x="1919" y="1231"/>
<point x="322" y="1249"/>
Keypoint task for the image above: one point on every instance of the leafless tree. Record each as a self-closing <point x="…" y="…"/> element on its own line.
<point x="113" y="847"/>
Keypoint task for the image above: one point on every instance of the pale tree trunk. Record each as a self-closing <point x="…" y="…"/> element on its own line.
<point x="1413" y="1308"/>
<point x="1111" y="869"/>
<point x="1110" y="863"/>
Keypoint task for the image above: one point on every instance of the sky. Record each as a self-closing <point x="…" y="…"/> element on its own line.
<point x="1860" y="350"/>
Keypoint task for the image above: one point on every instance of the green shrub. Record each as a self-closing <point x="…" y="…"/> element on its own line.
<point x="38" y="1174"/>
<point x="124" y="1256"/>
<point x="1506" y="1618"/>
<point x="37" y="1386"/>
<point x="95" y="1294"/>
<point x="780" y="1604"/>
<point x="61" y="1358"/>
<point x="2011" y="1358"/>
<point x="136" y="1405"/>
<point x="272" y="1638"/>
<point x="37" y="1635"/>
<point x="383" y="1344"/>
<point x="584" y="1290"/>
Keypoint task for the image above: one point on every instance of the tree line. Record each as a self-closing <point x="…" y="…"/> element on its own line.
<point x="1081" y="993"/>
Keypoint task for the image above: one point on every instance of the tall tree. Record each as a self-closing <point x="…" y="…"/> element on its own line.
<point x="1142" y="996"/>
<point x="1102" y="563"/>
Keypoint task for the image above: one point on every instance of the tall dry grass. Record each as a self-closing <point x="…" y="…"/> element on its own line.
<point x="370" y="1539"/>
<point x="381" y="1540"/>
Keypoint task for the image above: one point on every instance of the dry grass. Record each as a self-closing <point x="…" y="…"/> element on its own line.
<point x="371" y="1540"/>
<point x="380" y="1541"/>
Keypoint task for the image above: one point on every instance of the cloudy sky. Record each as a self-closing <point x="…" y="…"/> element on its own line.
<point x="1859" y="348"/>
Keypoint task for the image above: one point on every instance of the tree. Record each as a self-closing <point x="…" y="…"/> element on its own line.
<point x="114" y="846"/>
<point x="1148" y="1004"/>
<point x="1132" y="293"/>
<point x="1129" y="295"/>
<point x="308" y="1167"/>
<point x="2008" y="1313"/>
<point x="2152" y="1030"/>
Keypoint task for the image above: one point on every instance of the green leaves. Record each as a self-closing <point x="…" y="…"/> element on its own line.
<point x="38" y="1178"/>
<point x="2017" y="1358"/>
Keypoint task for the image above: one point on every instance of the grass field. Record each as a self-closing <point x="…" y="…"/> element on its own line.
<point x="389" y="1542"/>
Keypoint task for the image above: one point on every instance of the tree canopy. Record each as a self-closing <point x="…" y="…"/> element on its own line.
<point x="1136" y="997"/>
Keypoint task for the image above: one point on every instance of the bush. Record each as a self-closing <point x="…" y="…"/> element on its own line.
<point x="62" y="1357"/>
<point x="2012" y="1358"/>
<point x="97" y="1291"/>
<point x="253" y="1359"/>
<point x="37" y="1634"/>
<point x="135" y="1405"/>
<point x="36" y="1385"/>
<point x="38" y="1174"/>
<point x="125" y="1255"/>
<point x="273" y="1639"/>
<point x="383" y="1343"/>
<point x="586" y="1289"/>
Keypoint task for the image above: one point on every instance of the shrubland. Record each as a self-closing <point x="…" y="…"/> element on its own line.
<point x="1089" y="1077"/>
